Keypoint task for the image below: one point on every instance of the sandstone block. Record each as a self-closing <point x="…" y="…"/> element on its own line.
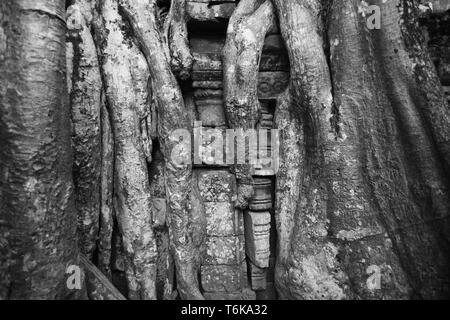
<point x="220" y="218"/>
<point x="258" y="277"/>
<point x="220" y="279"/>
<point x="262" y="198"/>
<point x="222" y="251"/>
<point x="216" y="185"/>
<point x="257" y="237"/>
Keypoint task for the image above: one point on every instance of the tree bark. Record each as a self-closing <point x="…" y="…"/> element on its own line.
<point x="362" y="195"/>
<point x="85" y="100"/>
<point x="364" y="138"/>
<point x="131" y="189"/>
<point x="38" y="218"/>
<point x="172" y="116"/>
<point x="246" y="32"/>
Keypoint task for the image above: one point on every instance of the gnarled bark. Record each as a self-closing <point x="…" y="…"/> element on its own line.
<point x="177" y="39"/>
<point x="241" y="57"/>
<point x="107" y="213"/>
<point x="85" y="100"/>
<point x="131" y="189"/>
<point x="38" y="218"/>
<point x="362" y="202"/>
<point x="172" y="116"/>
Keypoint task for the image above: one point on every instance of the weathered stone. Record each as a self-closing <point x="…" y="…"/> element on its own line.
<point x="239" y="222"/>
<point x="262" y="198"/>
<point x="213" y="95"/>
<point x="269" y="293"/>
<point x="207" y="84"/>
<point x="270" y="277"/>
<point x="272" y="84"/>
<point x="223" y="296"/>
<point x="274" y="42"/>
<point x="207" y="44"/>
<point x="267" y="110"/>
<point x="241" y="249"/>
<point x="271" y="60"/>
<point x="159" y="211"/>
<point x="204" y="12"/>
<point x="257" y="237"/>
<point x="220" y="218"/>
<point x="267" y="163"/>
<point x="245" y="294"/>
<point x="212" y="149"/>
<point x="207" y="61"/>
<point x="258" y="277"/>
<point x="207" y="75"/>
<point x="222" y="251"/>
<point x="216" y="185"/>
<point x="209" y="105"/>
<point x="221" y="279"/>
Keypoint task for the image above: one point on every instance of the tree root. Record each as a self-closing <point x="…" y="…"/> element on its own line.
<point x="172" y="115"/>
<point x="246" y="32"/>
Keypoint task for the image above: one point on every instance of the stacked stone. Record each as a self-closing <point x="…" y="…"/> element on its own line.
<point x="233" y="251"/>
<point x="223" y="274"/>
<point x="260" y="230"/>
<point x="224" y="269"/>
<point x="259" y="219"/>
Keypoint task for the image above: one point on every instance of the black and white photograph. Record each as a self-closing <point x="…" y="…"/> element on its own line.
<point x="224" y="150"/>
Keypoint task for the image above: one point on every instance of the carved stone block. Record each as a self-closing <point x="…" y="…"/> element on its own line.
<point x="245" y="294"/>
<point x="262" y="198"/>
<point x="272" y="59"/>
<point x="221" y="279"/>
<point x="220" y="218"/>
<point x="208" y="84"/>
<point x="272" y="84"/>
<point x="207" y="61"/>
<point x="223" y="296"/>
<point x="239" y="222"/>
<point x="212" y="149"/>
<point x="209" y="105"/>
<point x="216" y="185"/>
<point x="205" y="43"/>
<point x="269" y="293"/>
<point x="258" y="277"/>
<point x="204" y="12"/>
<point x="208" y="75"/>
<point x="257" y="237"/>
<point x="222" y="251"/>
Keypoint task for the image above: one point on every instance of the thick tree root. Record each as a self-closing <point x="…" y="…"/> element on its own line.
<point x="177" y="39"/>
<point x="172" y="116"/>
<point x="106" y="206"/>
<point x="292" y="162"/>
<point x="132" y="191"/>
<point x="38" y="217"/>
<point x="357" y="161"/>
<point x="85" y="99"/>
<point x="246" y="32"/>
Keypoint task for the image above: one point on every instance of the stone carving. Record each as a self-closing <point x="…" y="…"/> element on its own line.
<point x="237" y="245"/>
<point x="262" y="198"/>
<point x="223" y="271"/>
<point x="258" y="277"/>
<point x="257" y="237"/>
